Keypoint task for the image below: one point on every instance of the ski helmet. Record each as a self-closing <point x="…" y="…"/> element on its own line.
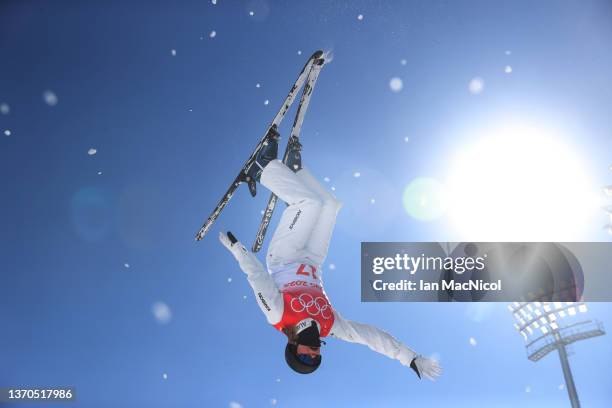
<point x="303" y="363"/>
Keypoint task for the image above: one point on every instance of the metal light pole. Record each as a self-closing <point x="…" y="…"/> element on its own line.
<point x="560" y="324"/>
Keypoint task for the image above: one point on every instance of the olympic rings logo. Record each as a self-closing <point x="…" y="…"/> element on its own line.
<point x="313" y="306"/>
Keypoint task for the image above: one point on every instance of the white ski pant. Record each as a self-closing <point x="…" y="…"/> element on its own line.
<point x="306" y="226"/>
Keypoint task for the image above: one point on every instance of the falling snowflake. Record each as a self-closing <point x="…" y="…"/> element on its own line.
<point x="229" y="280"/>
<point x="50" y="98"/>
<point x="278" y="380"/>
<point x="165" y="376"/>
<point x="299" y="52"/>
<point x="326" y="179"/>
<point x="92" y="151"/>
<point x="127" y="265"/>
<point x="99" y="173"/>
<point x="244" y="297"/>
<point x="251" y="13"/>
<point x="356" y="174"/>
<point x="372" y="201"/>
<point x="212" y="34"/>
<point x="5" y="108"/>
<point x="528" y="389"/>
<point x="214" y="2"/>
<point x="332" y="266"/>
<point x="266" y="102"/>
<point x="508" y="52"/>
<point x="476" y="85"/>
<point x="173" y="52"/>
<point x="161" y="312"/>
<point x="333" y="188"/>
<point x="508" y="69"/>
<point x="561" y="387"/>
<point x="7" y="132"/>
<point x="406" y="139"/>
<point x="403" y="62"/>
<point x="396" y="84"/>
<point x="234" y="404"/>
<point x="258" y="85"/>
<point x="262" y="212"/>
<point x="273" y="401"/>
<point x="473" y="341"/>
<point x="360" y="17"/>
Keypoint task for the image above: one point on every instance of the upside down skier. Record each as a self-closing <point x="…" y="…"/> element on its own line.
<point x="291" y="294"/>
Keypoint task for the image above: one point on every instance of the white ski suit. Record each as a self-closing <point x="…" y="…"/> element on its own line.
<point x="292" y="290"/>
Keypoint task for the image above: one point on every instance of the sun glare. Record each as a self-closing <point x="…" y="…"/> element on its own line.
<point x="520" y="183"/>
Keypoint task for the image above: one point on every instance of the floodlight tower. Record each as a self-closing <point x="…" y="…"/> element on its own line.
<point x="549" y="326"/>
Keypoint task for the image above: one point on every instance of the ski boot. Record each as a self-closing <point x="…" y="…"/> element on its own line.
<point x="267" y="153"/>
<point x="293" y="158"/>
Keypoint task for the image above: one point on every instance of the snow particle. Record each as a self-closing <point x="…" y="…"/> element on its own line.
<point x="99" y="173"/>
<point x="244" y="297"/>
<point x="127" y="265"/>
<point x="403" y="62"/>
<point x="92" y="151"/>
<point x="165" y="376"/>
<point x="5" y="108"/>
<point x="251" y="13"/>
<point x="396" y="84"/>
<point x="234" y="404"/>
<point x="406" y="139"/>
<point x="508" y="69"/>
<point x="214" y="2"/>
<point x="326" y="179"/>
<point x="476" y="85"/>
<point x="258" y="85"/>
<point x="50" y="98"/>
<point x="372" y="201"/>
<point x="333" y="188"/>
<point x="229" y="280"/>
<point x="278" y="380"/>
<point x="299" y="52"/>
<point x="473" y="342"/>
<point x="356" y="174"/>
<point x="212" y="34"/>
<point x="508" y="52"/>
<point x="273" y="401"/>
<point x="332" y="266"/>
<point x="360" y="17"/>
<point x="7" y="132"/>
<point x="262" y="212"/>
<point x="173" y="52"/>
<point x="528" y="389"/>
<point x="266" y="102"/>
<point x="161" y="312"/>
<point x="561" y="387"/>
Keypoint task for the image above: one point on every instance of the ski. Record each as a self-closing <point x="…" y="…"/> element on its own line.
<point x="271" y="128"/>
<point x="294" y="138"/>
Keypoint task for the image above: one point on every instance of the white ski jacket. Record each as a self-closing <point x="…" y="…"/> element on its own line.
<point x="270" y="300"/>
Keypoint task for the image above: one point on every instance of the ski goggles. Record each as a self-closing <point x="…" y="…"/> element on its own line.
<point x="306" y="359"/>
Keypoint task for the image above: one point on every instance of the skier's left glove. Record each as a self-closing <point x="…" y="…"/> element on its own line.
<point x="426" y="367"/>
<point x="229" y="241"/>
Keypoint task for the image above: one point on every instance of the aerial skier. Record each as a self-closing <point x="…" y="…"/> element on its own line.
<point x="290" y="293"/>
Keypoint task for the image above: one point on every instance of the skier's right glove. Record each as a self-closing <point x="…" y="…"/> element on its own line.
<point x="426" y="367"/>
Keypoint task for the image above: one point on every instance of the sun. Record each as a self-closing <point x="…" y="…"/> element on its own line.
<point x="520" y="182"/>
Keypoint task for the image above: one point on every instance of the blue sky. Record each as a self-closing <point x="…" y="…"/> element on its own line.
<point x="170" y="132"/>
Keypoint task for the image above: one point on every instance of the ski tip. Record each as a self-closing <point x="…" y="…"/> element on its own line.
<point x="317" y="54"/>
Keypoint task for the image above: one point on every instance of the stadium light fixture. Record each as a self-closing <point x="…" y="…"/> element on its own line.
<point x="549" y="326"/>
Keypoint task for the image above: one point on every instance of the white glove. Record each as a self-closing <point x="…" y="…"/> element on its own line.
<point x="426" y="367"/>
<point x="228" y="240"/>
